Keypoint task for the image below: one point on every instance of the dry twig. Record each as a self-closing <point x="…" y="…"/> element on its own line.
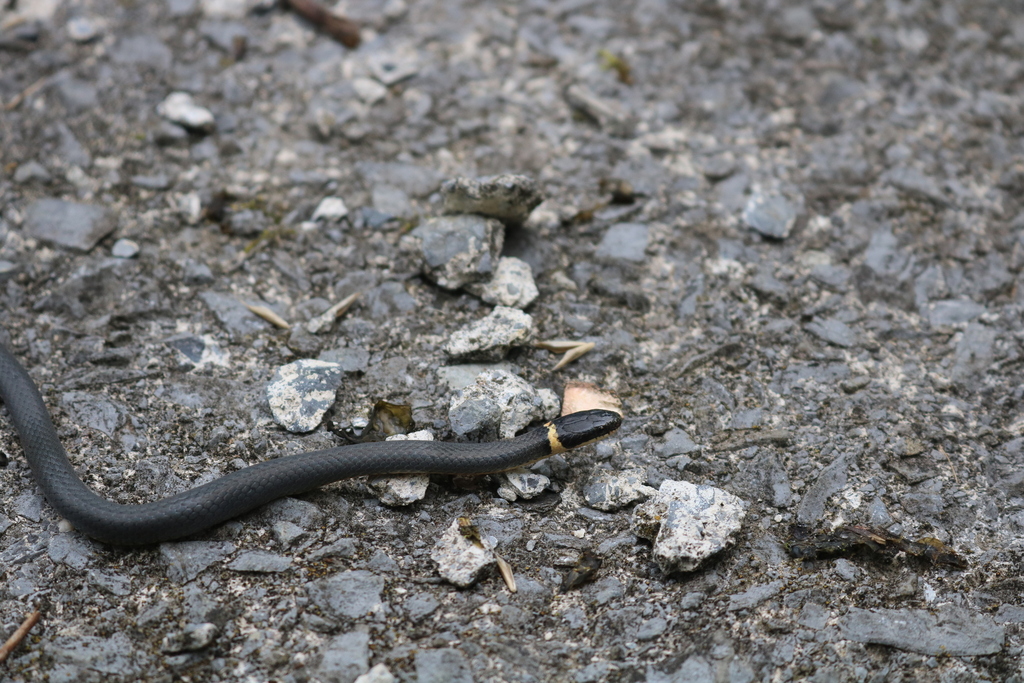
<point x="19" y="635"/>
<point x="269" y="316"/>
<point x="26" y="93"/>
<point x="571" y="350"/>
<point x="344" y="30"/>
<point x="505" y="569"/>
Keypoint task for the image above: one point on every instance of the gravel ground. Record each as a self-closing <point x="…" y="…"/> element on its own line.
<point x="808" y="296"/>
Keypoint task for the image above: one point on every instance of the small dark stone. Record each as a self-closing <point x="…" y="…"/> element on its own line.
<point x="625" y="241"/>
<point x="69" y="224"/>
<point x="947" y="630"/>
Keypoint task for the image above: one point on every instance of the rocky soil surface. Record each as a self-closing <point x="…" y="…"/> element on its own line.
<point x="794" y="234"/>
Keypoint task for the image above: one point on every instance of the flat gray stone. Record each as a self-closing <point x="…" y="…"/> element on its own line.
<point x="953" y="312"/>
<point x="609" y="114"/>
<point x="695" y="669"/>
<point x="160" y="181"/>
<point x="330" y="210"/>
<point x="916" y="184"/>
<point x="198" y="352"/>
<point x="68" y="224"/>
<point x="831" y="480"/>
<point x="31" y="171"/>
<point x="415" y="181"/>
<point x="794" y="24"/>
<point x="343" y="548"/>
<point x="344" y="657"/>
<point x="71" y="550"/>
<point x="457" y="377"/>
<point x="349" y="359"/>
<point x="974" y="353"/>
<point x="378" y="673"/>
<point x="388" y="300"/>
<point x="82" y="29"/>
<point x="607" y="589"/>
<point x="771" y="215"/>
<point x="836" y="278"/>
<point x="348" y="594"/>
<point x="832" y="331"/>
<point x="71" y="151"/>
<point x="29" y="505"/>
<point x="238" y="320"/>
<point x="650" y="629"/>
<point x="125" y="249"/>
<point x="186" y="560"/>
<point x="625" y="242"/>
<point x="765" y="478"/>
<point x="768" y="286"/>
<point x="300" y="512"/>
<point x="677" y="442"/>
<point x="417" y="607"/>
<point x="113" y="656"/>
<point x="76" y="94"/>
<point x="445" y="665"/>
<point x="112" y="583"/>
<point x="222" y="34"/>
<point x="754" y="596"/>
<point x="260" y="561"/>
<point x="142" y="51"/>
<point x="95" y="411"/>
<point x="947" y="630"/>
<point x="883" y="255"/>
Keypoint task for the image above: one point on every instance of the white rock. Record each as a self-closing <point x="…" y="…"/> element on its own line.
<point x="36" y="10"/>
<point x="301" y="392"/>
<point x="609" y="491"/>
<point x="522" y="483"/>
<point x="461" y="560"/>
<point x="330" y="209"/>
<point x="491" y="337"/>
<point x="82" y="29"/>
<point x="379" y="673"/>
<point x="125" y="248"/>
<point x="511" y="285"/>
<point x="392" y="67"/>
<point x="181" y="109"/>
<point x="499" y="401"/>
<point x="226" y="9"/>
<point x="369" y="90"/>
<point x="688" y="523"/>
<point x="190" y="206"/>
<point x="193" y="638"/>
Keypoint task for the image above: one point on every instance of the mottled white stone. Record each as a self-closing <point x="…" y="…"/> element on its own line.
<point x="461" y="560"/>
<point x="688" y="523"/>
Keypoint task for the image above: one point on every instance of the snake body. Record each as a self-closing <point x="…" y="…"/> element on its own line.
<point x="243" y="490"/>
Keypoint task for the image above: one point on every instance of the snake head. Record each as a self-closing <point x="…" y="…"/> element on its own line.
<point x="582" y="428"/>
